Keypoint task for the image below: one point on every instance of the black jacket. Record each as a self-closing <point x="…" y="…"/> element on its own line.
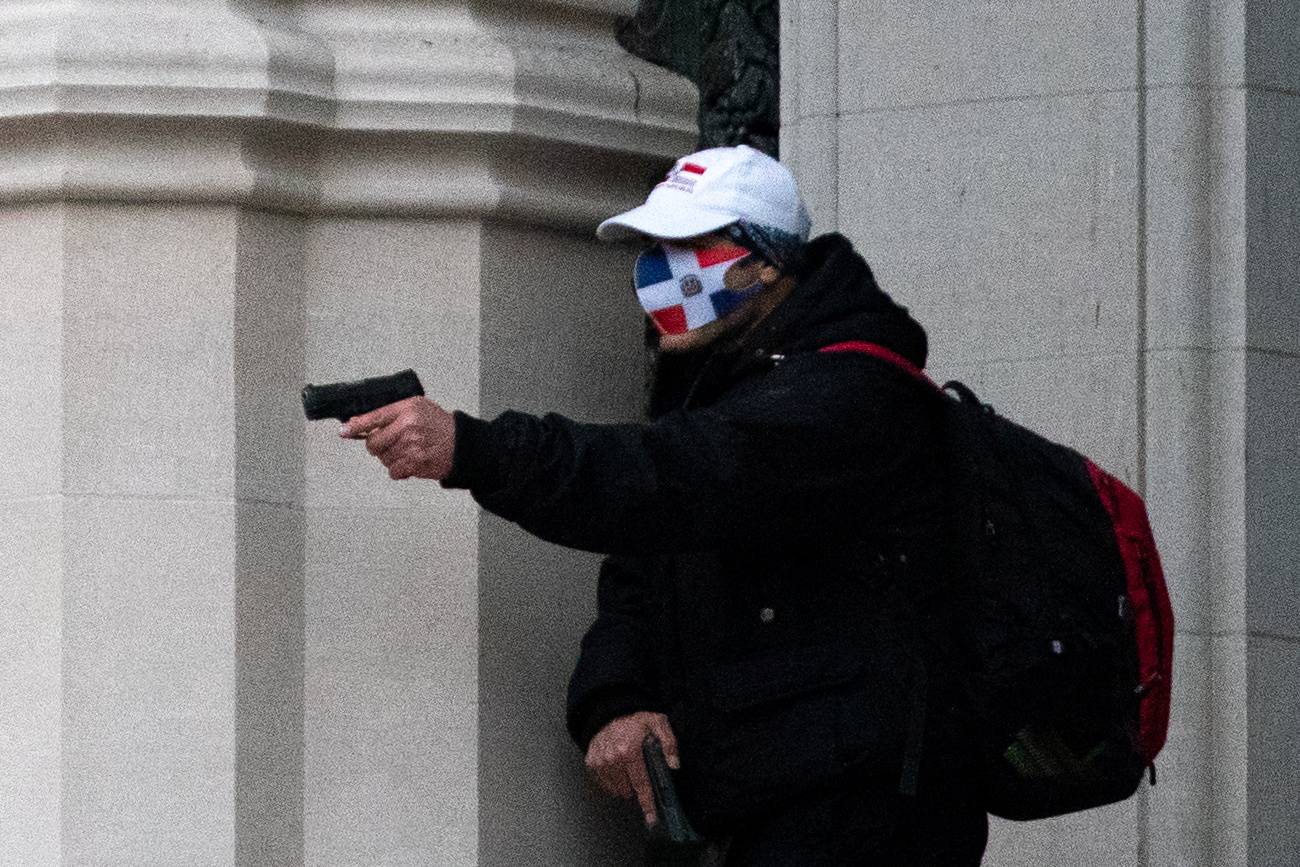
<point x="768" y="529"/>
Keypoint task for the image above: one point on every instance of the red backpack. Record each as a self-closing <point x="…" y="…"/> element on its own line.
<point x="1065" y="632"/>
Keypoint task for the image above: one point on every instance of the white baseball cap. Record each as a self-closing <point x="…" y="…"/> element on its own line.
<point x="712" y="189"/>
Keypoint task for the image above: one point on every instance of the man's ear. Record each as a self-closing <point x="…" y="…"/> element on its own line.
<point x="770" y="275"/>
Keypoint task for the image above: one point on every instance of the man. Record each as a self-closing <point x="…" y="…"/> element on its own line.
<point x="771" y="530"/>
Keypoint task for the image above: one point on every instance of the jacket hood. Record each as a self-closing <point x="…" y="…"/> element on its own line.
<point x="835" y="299"/>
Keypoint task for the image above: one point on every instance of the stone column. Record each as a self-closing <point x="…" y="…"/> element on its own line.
<point x="1223" y="338"/>
<point x="1093" y="208"/>
<point x="231" y="639"/>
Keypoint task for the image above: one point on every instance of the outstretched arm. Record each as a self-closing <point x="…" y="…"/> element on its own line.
<point x="768" y="458"/>
<point x="763" y="458"/>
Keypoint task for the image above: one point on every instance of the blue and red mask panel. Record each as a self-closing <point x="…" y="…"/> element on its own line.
<point x="682" y="288"/>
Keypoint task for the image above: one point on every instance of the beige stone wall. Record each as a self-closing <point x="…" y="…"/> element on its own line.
<point x="1092" y="207"/>
<point x="231" y="639"/>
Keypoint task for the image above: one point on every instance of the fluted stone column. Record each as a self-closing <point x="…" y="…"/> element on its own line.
<point x="228" y="638"/>
<point x="1093" y="207"/>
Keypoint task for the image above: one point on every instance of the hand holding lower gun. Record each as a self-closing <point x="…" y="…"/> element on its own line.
<point x="615" y="759"/>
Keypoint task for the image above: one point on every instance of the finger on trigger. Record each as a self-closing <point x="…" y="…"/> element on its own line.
<point x="359" y="426"/>
<point x="640" y="781"/>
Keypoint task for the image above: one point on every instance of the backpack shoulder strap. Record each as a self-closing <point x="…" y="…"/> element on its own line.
<point x="920" y="691"/>
<point x="884" y="353"/>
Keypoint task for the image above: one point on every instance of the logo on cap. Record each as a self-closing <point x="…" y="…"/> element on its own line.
<point x="691" y="286"/>
<point x="683" y="177"/>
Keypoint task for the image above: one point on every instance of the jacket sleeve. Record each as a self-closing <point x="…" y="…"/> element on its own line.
<point x="614" y="675"/>
<point x="758" y="460"/>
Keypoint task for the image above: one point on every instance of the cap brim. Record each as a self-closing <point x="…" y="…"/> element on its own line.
<point x="656" y="221"/>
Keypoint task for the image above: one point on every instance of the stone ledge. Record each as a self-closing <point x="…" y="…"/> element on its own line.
<point x="335" y="108"/>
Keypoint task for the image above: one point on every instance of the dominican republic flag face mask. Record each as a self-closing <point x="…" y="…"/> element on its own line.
<point x="682" y="288"/>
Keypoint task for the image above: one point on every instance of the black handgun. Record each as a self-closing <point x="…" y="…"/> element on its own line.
<point x="344" y="400"/>
<point x="671" y="839"/>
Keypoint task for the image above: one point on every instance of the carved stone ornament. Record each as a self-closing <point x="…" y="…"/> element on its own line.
<point x="730" y="49"/>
